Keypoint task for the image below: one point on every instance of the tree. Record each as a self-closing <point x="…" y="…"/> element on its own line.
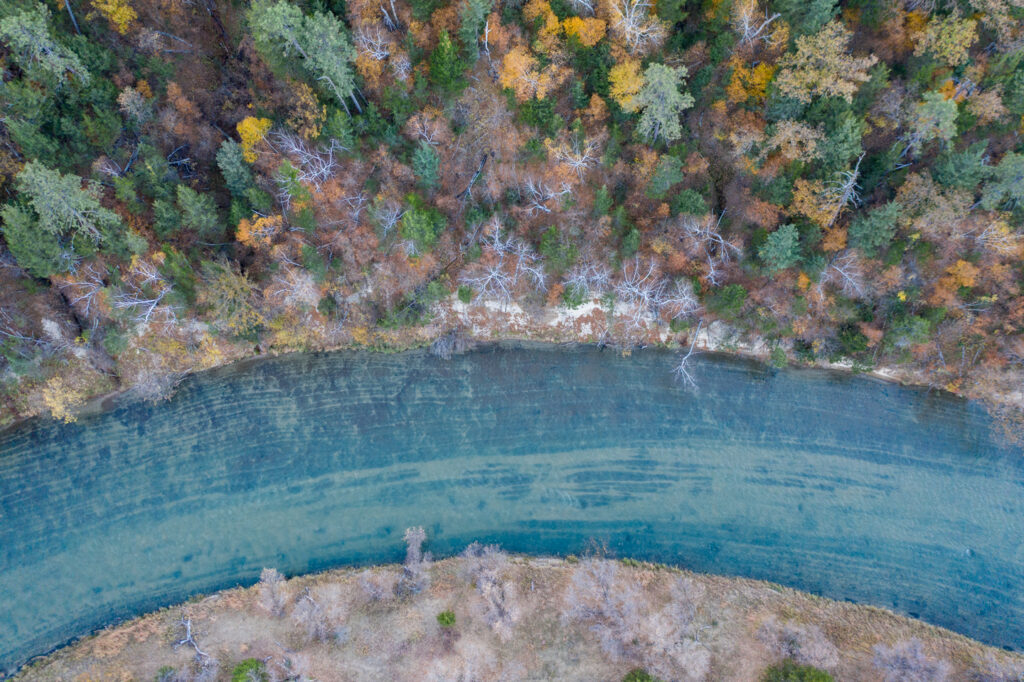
<point x="422" y="225"/>
<point x="781" y="249"/>
<point x="625" y="81"/>
<point x="472" y="18"/>
<point x="667" y="173"/>
<point x="587" y="30"/>
<point x="446" y="67"/>
<point x="27" y="32"/>
<point x="252" y="130"/>
<point x="119" y="13"/>
<point x="36" y="250"/>
<point x="805" y="16"/>
<point x="874" y="231"/>
<point x="822" y="66"/>
<point x="789" y="671"/>
<point x="426" y="165"/>
<point x="661" y="102"/>
<point x="934" y="118"/>
<point x="1007" y="184"/>
<point x="237" y="175"/>
<point x="199" y="213"/>
<point x="633" y="22"/>
<point x="949" y="38"/>
<point x="66" y="208"/>
<point x="964" y="169"/>
<point x="280" y="29"/>
<point x="906" y="661"/>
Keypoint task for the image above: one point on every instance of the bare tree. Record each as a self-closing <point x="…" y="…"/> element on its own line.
<point x="634" y="22"/>
<point x="373" y="43"/>
<point x="580" y="153"/>
<point x="906" y="661"/>
<point x="484" y="567"/>
<point x="805" y="644"/>
<point x="682" y="370"/>
<point x="311" y="617"/>
<point x="844" y="271"/>
<point x="537" y="195"/>
<point x="508" y="264"/>
<point x="316" y="165"/>
<point x="704" y="239"/>
<point x="271" y="593"/>
<point x="844" y="190"/>
<point x="589" y="279"/>
<point x="642" y="289"/>
<point x="415" y="577"/>
<point x="749" y="22"/>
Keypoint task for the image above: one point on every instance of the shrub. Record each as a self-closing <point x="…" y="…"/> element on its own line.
<point x="639" y="675"/>
<point x="250" y="670"/>
<point x="446" y="619"/>
<point x="790" y="671"/>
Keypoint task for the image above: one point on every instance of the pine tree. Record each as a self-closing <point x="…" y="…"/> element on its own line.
<point x="27" y="32"/>
<point x="231" y="161"/>
<point x="781" y="249"/>
<point x="426" y="166"/>
<point x="661" y="102"/>
<point x="65" y="208"/>
<point x="446" y="67"/>
<point x="472" y="17"/>
<point x="35" y="249"/>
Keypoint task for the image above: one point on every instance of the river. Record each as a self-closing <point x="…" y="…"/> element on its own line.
<point x="844" y="486"/>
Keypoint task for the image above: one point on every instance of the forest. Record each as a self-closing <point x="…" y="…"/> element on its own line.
<point x="186" y="182"/>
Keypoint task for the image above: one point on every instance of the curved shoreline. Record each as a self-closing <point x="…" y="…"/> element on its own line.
<point x="730" y="636"/>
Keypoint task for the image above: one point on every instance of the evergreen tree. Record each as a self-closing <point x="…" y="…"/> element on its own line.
<point x="874" y="231"/>
<point x="472" y="17"/>
<point x="445" y="66"/>
<point x="426" y="166"/>
<point x="27" y="32"/>
<point x="237" y="173"/>
<point x="1007" y="185"/>
<point x="661" y="102"/>
<point x="35" y="249"/>
<point x="781" y="249"/>
<point x="805" y="16"/>
<point x="64" y="207"/>
<point x="964" y="169"/>
<point x="198" y="213"/>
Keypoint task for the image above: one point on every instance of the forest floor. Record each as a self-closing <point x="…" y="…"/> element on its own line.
<point x="515" y="618"/>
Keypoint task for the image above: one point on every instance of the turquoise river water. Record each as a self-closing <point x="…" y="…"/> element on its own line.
<point x="843" y="486"/>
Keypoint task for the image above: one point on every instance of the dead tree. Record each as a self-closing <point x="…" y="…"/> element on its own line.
<point x="682" y="370"/>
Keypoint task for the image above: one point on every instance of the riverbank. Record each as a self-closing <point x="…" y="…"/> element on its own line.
<point x="455" y="325"/>
<point x="514" y="617"/>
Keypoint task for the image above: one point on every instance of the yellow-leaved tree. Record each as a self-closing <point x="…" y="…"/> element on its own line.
<point x="625" y="80"/>
<point x="252" y="130"/>
<point x="587" y="30"/>
<point x="822" y="66"/>
<point x="119" y="13"/>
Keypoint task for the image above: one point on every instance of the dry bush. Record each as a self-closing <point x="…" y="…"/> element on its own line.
<point x="617" y="612"/>
<point x="805" y="644"/>
<point x="415" y="577"/>
<point x="484" y="568"/>
<point x="377" y="585"/>
<point x="311" y="617"/>
<point x="271" y="592"/>
<point x="995" y="670"/>
<point x="906" y="661"/>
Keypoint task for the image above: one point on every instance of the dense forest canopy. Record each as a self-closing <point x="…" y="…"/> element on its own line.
<point x="184" y="181"/>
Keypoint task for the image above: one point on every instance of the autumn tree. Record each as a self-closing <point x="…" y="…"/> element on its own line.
<point x="660" y="103"/>
<point x="822" y="66"/>
<point x="948" y="38"/>
<point x="934" y="118"/>
<point x="624" y="82"/>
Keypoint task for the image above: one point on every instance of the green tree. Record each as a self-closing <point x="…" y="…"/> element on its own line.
<point x="874" y="231"/>
<point x="280" y="29"/>
<point x="661" y="102"/>
<point x="472" y="16"/>
<point x="35" y="249"/>
<point x="805" y="16"/>
<point x="934" y="118"/>
<point x="1007" y="183"/>
<point x="962" y="170"/>
<point x="198" y="213"/>
<point x="65" y="207"/>
<point x="250" y="670"/>
<point x="781" y="249"/>
<point x="446" y="67"/>
<point x="426" y="165"/>
<point x="237" y="173"/>
<point x="667" y="173"/>
<point x="422" y="225"/>
<point x="27" y="33"/>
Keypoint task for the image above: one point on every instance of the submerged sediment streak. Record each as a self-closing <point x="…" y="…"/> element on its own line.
<point x="843" y="486"/>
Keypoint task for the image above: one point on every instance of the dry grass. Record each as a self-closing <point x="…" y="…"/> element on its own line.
<point x="517" y="618"/>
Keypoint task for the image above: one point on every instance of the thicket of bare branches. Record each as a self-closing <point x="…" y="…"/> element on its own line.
<point x="906" y="661"/>
<point x="485" y="566"/>
<point x="805" y="644"/>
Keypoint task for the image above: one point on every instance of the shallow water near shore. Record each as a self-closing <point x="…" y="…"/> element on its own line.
<point x="844" y="486"/>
